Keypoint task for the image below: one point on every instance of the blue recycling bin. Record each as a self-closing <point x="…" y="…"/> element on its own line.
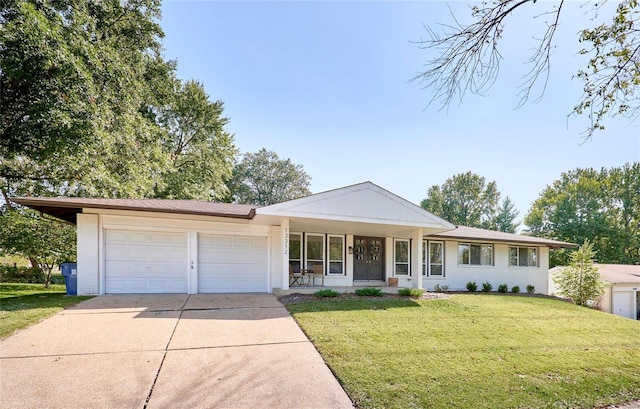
<point x="70" y="273"/>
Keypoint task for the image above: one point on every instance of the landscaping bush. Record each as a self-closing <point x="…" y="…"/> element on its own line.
<point x="486" y="287"/>
<point x="326" y="293"/>
<point x="410" y="292"/>
<point x="515" y="289"/>
<point x="531" y="288"/>
<point x="472" y="286"/>
<point x="369" y="292"/>
<point x="11" y="274"/>
<point x="503" y="288"/>
<point x="440" y="289"/>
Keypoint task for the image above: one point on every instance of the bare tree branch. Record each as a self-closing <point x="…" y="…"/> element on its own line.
<point x="541" y="59"/>
<point x="468" y="60"/>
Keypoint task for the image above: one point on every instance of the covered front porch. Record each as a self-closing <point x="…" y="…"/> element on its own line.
<point x="357" y="236"/>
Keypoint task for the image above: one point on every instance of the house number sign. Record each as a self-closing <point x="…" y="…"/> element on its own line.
<point x="285" y="241"/>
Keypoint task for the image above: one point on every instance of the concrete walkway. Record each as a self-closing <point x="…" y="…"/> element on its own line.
<point x="167" y="351"/>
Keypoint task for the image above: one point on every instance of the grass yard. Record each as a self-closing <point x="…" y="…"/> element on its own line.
<point x="22" y="305"/>
<point x="475" y="351"/>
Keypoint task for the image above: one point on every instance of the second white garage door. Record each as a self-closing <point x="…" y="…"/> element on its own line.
<point x="232" y="264"/>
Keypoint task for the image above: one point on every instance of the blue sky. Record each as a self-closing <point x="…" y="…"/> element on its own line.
<point x="327" y="84"/>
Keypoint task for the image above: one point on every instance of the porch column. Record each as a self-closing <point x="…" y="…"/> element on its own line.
<point x="416" y="258"/>
<point x="284" y="229"/>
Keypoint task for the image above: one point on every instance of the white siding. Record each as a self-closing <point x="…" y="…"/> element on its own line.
<point x="457" y="276"/>
<point x="88" y="254"/>
<point x="260" y="263"/>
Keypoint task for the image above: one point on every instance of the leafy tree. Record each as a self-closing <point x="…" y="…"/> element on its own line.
<point x="201" y="150"/>
<point x="468" y="57"/>
<point x="263" y="178"/>
<point x="90" y="108"/>
<point x="624" y="184"/>
<point x="581" y="281"/>
<point x="600" y="206"/>
<point x="466" y="199"/>
<point x="79" y="81"/>
<point x="44" y="241"/>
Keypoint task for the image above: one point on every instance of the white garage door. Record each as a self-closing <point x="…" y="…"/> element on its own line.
<point x="232" y="264"/>
<point x="145" y="262"/>
<point x="622" y="303"/>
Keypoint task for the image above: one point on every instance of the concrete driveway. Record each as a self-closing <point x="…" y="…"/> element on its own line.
<point x="167" y="351"/>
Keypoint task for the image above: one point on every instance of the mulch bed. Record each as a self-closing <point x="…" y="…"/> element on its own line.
<point x="300" y="298"/>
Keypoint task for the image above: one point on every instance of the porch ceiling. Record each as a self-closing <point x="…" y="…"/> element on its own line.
<point x="356" y="228"/>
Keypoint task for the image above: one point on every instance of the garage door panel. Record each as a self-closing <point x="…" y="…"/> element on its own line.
<point x="132" y="252"/>
<point x="215" y="241"/>
<point x="145" y="237"/>
<point x="123" y="269"/>
<point x="232" y="264"/>
<point x="145" y="262"/>
<point x="215" y="256"/>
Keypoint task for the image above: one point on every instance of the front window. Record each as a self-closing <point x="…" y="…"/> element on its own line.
<point x="295" y="251"/>
<point x="523" y="256"/>
<point x="401" y="257"/>
<point x="336" y="254"/>
<point x="475" y="254"/>
<point x="315" y="250"/>
<point x="307" y="250"/>
<point x="433" y="258"/>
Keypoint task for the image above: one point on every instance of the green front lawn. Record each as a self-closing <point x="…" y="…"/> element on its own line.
<point x="22" y="305"/>
<point x="475" y="351"/>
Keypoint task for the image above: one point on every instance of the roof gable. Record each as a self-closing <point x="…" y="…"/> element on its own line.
<point x="364" y="202"/>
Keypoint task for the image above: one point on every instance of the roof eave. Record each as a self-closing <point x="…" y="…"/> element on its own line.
<point x="554" y="245"/>
<point x="52" y="208"/>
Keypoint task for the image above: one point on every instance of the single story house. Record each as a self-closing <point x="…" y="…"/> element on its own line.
<point x="356" y="235"/>
<point x="622" y="295"/>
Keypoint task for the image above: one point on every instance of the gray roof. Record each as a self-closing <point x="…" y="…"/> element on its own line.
<point x="472" y="233"/>
<point x="619" y="273"/>
<point x="66" y="208"/>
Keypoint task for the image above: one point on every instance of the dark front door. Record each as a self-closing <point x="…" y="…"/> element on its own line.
<point x="368" y="258"/>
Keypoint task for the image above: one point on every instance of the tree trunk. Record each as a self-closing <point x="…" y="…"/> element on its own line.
<point x="47" y="276"/>
<point x="34" y="262"/>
